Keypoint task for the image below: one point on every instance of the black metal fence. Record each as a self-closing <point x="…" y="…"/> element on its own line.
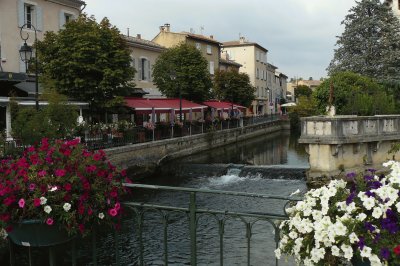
<point x="102" y="139"/>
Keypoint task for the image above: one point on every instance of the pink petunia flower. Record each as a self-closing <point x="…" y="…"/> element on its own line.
<point x="21" y="203"/>
<point x="36" y="202"/>
<point x="59" y="172"/>
<point x="49" y="221"/>
<point x="112" y="212"/>
<point x="42" y="173"/>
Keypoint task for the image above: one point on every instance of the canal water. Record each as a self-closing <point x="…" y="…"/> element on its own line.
<point x="219" y="169"/>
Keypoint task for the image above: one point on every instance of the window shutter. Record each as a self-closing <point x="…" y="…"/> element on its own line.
<point x="134" y="66"/>
<point x="61" y="19"/>
<point x="39" y="18"/>
<point x="21" y="13"/>
<point x="149" y="70"/>
<point x="140" y="69"/>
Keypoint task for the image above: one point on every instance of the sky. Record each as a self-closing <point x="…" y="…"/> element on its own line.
<point x="300" y="35"/>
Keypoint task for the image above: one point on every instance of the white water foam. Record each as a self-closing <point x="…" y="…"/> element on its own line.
<point x="229" y="179"/>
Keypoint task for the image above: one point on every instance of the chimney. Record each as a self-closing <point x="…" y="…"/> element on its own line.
<point x="211" y="36"/>
<point x="241" y="40"/>
<point x="161" y="28"/>
<point x="139" y="36"/>
<point x="167" y="27"/>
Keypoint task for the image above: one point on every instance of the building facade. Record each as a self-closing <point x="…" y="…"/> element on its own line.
<point x="253" y="58"/>
<point x="144" y="54"/>
<point x="395" y="6"/>
<point x="41" y="15"/>
<point x="208" y="47"/>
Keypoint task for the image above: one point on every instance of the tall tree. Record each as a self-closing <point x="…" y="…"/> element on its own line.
<point x="87" y="61"/>
<point x="190" y="70"/>
<point x="370" y="43"/>
<point x="234" y="87"/>
<point x="302" y="90"/>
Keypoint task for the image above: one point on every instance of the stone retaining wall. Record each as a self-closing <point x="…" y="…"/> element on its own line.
<point x="151" y="154"/>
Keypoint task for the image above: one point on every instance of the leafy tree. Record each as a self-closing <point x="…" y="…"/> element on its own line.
<point x="302" y="90"/>
<point x="192" y="77"/>
<point x="56" y="120"/>
<point x="306" y="106"/>
<point x="354" y="94"/>
<point x="370" y="43"/>
<point x="87" y="61"/>
<point x="234" y="87"/>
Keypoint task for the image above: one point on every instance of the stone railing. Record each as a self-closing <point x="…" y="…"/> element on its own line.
<point x="349" y="129"/>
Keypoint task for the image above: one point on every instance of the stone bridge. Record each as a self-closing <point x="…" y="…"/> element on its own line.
<point x="346" y="143"/>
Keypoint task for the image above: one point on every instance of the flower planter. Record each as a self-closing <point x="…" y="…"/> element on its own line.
<point x="35" y="233"/>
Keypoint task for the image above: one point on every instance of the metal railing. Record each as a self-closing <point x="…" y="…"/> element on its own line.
<point x="117" y="253"/>
<point x="108" y="139"/>
<point x="193" y="213"/>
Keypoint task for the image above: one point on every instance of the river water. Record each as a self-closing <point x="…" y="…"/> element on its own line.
<point x="208" y="171"/>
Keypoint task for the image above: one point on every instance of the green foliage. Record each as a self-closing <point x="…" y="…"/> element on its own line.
<point x="88" y="61"/>
<point x="234" y="87"/>
<point x="370" y="43"/>
<point x="191" y="71"/>
<point x="56" y="120"/>
<point x="306" y="106"/>
<point x="354" y="94"/>
<point x="302" y="90"/>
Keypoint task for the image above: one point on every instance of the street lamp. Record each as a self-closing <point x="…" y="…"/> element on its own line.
<point x="172" y="76"/>
<point x="25" y="53"/>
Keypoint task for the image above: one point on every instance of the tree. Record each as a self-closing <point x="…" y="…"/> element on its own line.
<point x="302" y="90"/>
<point x="354" y="94"/>
<point x="234" y="87"/>
<point x="87" y="61"/>
<point x="370" y="43"/>
<point x="192" y="77"/>
<point x="54" y="121"/>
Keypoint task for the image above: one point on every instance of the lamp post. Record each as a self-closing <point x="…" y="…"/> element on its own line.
<point x="172" y="76"/>
<point x="25" y="53"/>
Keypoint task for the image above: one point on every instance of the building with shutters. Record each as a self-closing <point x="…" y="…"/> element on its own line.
<point x="144" y="54"/>
<point x="42" y="15"/>
<point x="208" y="47"/>
<point x="253" y="58"/>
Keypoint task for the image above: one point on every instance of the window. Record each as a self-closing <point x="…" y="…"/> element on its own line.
<point x="257" y="73"/>
<point x="65" y="17"/>
<point x="257" y="55"/>
<point x="68" y="17"/>
<point x="29" y="16"/>
<point x="212" y="67"/>
<point x="198" y="46"/>
<point x="144" y="69"/>
<point x="208" y="49"/>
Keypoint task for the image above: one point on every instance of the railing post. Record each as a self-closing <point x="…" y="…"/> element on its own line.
<point x="192" y="229"/>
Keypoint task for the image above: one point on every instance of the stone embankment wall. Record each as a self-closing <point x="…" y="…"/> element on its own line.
<point x="146" y="156"/>
<point x="347" y="143"/>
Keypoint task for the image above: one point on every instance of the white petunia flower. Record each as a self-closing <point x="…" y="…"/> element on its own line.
<point x="335" y="251"/>
<point x="317" y="254"/>
<point x="67" y="206"/>
<point x="377" y="213"/>
<point x="47" y="209"/>
<point x="353" y="238"/>
<point x="101" y="216"/>
<point x="278" y="253"/>
<point x="368" y="203"/>
<point x="43" y="200"/>
<point x="361" y="217"/>
<point x="366" y="252"/>
<point x="348" y="251"/>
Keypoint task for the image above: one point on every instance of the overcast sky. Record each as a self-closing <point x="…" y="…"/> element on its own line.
<point x="299" y="34"/>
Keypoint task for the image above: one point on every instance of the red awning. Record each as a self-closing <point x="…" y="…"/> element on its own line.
<point x="219" y="105"/>
<point x="161" y="105"/>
